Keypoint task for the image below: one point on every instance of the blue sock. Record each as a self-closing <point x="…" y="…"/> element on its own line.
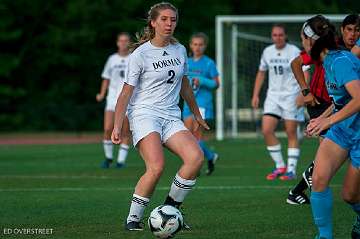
<point x="209" y="155"/>
<point x="321" y="204"/>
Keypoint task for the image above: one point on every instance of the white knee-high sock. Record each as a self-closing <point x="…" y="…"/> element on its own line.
<point x="123" y="152"/>
<point x="293" y="156"/>
<point x="180" y="188"/>
<point x="108" y="149"/>
<point x="276" y="155"/>
<point x="137" y="208"/>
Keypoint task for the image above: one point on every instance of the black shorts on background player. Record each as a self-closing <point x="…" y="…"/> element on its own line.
<point x="317" y="110"/>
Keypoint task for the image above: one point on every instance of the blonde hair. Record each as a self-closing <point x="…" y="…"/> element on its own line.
<point x="148" y="32"/>
<point x="200" y="35"/>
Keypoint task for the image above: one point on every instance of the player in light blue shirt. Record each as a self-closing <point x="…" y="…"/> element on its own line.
<point x="342" y="78"/>
<point x="204" y="79"/>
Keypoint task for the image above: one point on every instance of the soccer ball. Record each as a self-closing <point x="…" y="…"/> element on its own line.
<point x="165" y="221"/>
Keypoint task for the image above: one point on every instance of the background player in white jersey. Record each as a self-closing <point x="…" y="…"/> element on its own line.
<point x="113" y="75"/>
<point x="157" y="74"/>
<point x="280" y="101"/>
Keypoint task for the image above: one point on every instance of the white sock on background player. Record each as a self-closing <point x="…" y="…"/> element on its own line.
<point x="108" y="149"/>
<point x="276" y="155"/>
<point x="123" y="152"/>
<point x="293" y="156"/>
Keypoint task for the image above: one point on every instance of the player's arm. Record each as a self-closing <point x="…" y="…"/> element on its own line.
<point x="352" y="107"/>
<point x="300" y="76"/>
<point x="211" y="84"/>
<point x="104" y="86"/>
<point x="259" y="81"/>
<point x="187" y="94"/>
<point x="120" y="110"/>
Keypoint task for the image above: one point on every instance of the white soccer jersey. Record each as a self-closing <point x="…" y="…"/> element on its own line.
<point x="115" y="70"/>
<point x="277" y="61"/>
<point x="156" y="73"/>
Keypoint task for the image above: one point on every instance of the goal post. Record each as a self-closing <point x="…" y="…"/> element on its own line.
<point x="239" y="43"/>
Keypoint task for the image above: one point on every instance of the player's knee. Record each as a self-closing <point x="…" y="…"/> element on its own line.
<point x="319" y="182"/>
<point x="155" y="172"/>
<point x="108" y="131"/>
<point x="196" y="157"/>
<point x="267" y="131"/>
<point x="350" y="196"/>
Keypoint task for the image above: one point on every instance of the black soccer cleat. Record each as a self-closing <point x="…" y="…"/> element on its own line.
<point x="134" y="226"/>
<point x="106" y="163"/>
<point x="307" y="175"/>
<point x="211" y="164"/>
<point x="355" y="233"/>
<point x="297" y="199"/>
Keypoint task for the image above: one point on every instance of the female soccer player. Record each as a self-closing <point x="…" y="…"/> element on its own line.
<point x="156" y="77"/>
<point x="316" y="97"/>
<point x="280" y="102"/>
<point x="204" y="79"/>
<point x="342" y="77"/>
<point x="113" y="75"/>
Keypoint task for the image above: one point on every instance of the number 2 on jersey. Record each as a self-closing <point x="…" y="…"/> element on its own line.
<point x="171" y="74"/>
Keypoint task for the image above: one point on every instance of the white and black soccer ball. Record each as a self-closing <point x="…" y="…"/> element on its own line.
<point x="165" y="221"/>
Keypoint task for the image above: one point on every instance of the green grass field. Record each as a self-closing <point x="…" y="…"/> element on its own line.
<point x="62" y="187"/>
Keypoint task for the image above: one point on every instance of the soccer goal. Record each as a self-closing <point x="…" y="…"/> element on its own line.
<point x="240" y="41"/>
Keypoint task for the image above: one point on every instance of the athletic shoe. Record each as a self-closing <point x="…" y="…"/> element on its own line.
<point x="307" y="175"/>
<point x="134" y="226"/>
<point x="106" y="163"/>
<point x="288" y="176"/>
<point x="297" y="199"/>
<point x="276" y="173"/>
<point x="120" y="165"/>
<point x="355" y="233"/>
<point x="211" y="164"/>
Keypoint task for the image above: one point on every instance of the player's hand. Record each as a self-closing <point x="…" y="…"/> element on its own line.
<point x="201" y="122"/>
<point x="255" y="102"/>
<point x="99" y="97"/>
<point x="317" y="125"/>
<point x="310" y="100"/>
<point x="116" y="135"/>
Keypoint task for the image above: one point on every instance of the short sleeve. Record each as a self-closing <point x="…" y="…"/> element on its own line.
<point x="106" y="74"/>
<point x="345" y="71"/>
<point x="135" y="68"/>
<point x="358" y="42"/>
<point x="186" y="63"/>
<point x="213" y="70"/>
<point x="306" y="58"/>
<point x="263" y="64"/>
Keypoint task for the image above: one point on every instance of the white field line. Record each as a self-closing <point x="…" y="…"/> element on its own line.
<point x="77" y="189"/>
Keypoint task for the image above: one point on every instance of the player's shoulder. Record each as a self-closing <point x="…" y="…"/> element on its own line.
<point x="208" y="60"/>
<point x="342" y="58"/>
<point x="112" y="57"/>
<point x="269" y="49"/>
<point x="178" y="47"/>
<point x="292" y="48"/>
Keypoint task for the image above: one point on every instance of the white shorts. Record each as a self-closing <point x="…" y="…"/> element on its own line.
<point x="300" y="114"/>
<point x="111" y="100"/>
<point x="282" y="106"/>
<point x="141" y="126"/>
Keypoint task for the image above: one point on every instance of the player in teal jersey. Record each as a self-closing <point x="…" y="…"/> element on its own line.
<point x="204" y="79"/>
<point x="342" y="77"/>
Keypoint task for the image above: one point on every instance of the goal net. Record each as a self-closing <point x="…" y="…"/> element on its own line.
<point x="240" y="41"/>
